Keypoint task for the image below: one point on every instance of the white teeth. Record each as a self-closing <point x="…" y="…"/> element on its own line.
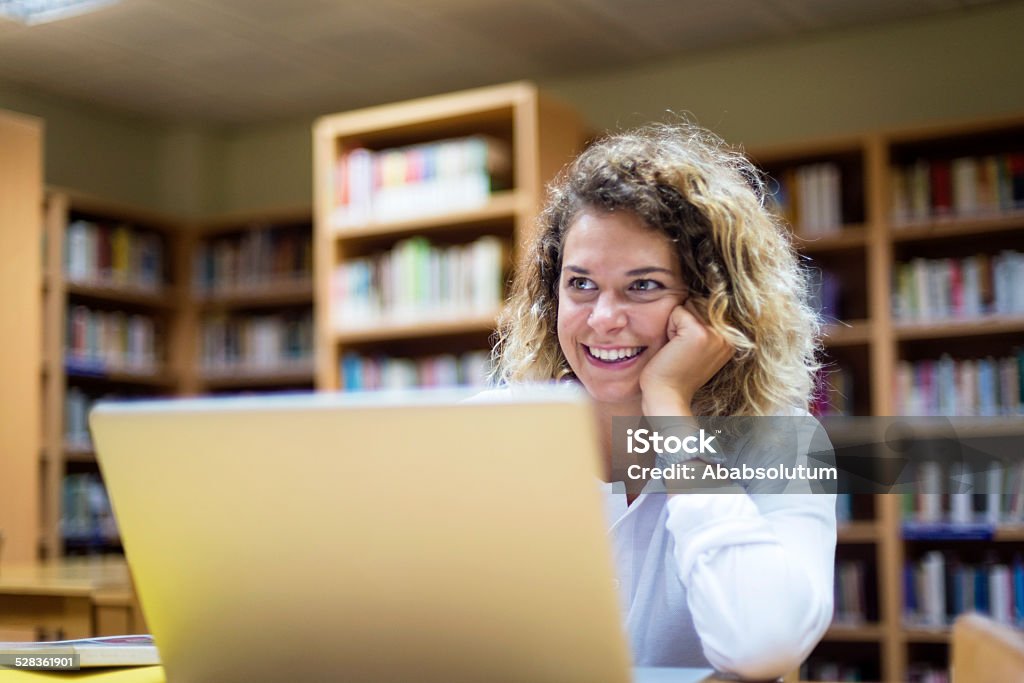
<point x="614" y="354"/>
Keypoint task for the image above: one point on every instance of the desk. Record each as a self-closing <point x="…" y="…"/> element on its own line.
<point x="155" y="674"/>
<point x="138" y="674"/>
<point x="73" y="598"/>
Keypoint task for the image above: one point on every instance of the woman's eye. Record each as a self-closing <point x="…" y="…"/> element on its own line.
<point x="580" y="283"/>
<point x="646" y="285"/>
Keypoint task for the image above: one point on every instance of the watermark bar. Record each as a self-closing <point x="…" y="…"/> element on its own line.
<point x="802" y="454"/>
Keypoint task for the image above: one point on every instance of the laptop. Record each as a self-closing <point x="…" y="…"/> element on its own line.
<point x="388" y="537"/>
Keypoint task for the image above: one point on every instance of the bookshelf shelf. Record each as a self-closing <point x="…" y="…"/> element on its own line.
<point x="439" y="328"/>
<point x="363" y="231"/>
<point x="157" y="379"/>
<point x="848" y="333"/>
<point x="79" y="455"/>
<point x="849" y="237"/>
<point x="926" y="635"/>
<point x="122" y="295"/>
<point x="244" y="378"/>
<point x="976" y="327"/>
<point x="959" y="227"/>
<point x="1009" y="534"/>
<point x="858" y="532"/>
<point x="855" y="634"/>
<point x="500" y="207"/>
<point x="260" y="295"/>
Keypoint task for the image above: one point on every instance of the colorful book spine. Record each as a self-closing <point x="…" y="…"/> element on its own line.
<point x="361" y="372"/>
<point x="87" y="520"/>
<point x="418" y="282"/>
<point x="260" y="258"/>
<point x="111" y="341"/>
<point x="941" y="585"/>
<point x="256" y="343"/>
<point x="962" y="187"/>
<point x="982" y="387"/>
<point x="934" y="290"/>
<point x="809" y="198"/>
<point x="113" y="255"/>
<point x="419" y="180"/>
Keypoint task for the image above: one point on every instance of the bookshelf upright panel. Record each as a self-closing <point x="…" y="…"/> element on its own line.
<point x="21" y="325"/>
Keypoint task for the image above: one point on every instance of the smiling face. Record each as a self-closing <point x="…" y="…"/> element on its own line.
<point x="619" y="283"/>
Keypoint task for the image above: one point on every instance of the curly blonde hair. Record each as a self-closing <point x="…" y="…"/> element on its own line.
<point x="744" y="277"/>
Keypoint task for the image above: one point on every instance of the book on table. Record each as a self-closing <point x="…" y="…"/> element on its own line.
<point x="131" y="650"/>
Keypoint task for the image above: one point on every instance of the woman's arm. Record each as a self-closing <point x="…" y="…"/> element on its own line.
<point x="758" y="573"/>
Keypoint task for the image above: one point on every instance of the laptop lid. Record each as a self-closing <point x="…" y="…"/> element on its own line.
<point x="392" y="537"/>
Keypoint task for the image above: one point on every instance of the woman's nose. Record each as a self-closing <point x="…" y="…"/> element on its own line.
<point x="608" y="313"/>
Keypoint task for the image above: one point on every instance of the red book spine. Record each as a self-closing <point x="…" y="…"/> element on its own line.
<point x="942" y="188"/>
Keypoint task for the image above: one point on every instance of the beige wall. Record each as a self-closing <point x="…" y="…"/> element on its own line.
<point x="267" y="166"/>
<point x="959" y="65"/>
<point x="93" y="150"/>
<point x="956" y="66"/>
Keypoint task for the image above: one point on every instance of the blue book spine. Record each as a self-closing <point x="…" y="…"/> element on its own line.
<point x="909" y="591"/>
<point x="981" y="602"/>
<point x="1018" y="590"/>
<point x="956" y="581"/>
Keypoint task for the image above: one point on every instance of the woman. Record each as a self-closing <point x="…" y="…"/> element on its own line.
<point x="660" y="283"/>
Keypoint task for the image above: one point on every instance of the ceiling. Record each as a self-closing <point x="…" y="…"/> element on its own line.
<point x="249" y="61"/>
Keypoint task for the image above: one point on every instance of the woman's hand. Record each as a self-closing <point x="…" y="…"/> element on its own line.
<point x="691" y="357"/>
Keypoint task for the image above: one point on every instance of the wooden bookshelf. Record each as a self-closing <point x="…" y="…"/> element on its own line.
<point x="105" y="290"/>
<point x="879" y="227"/>
<point x="538" y="135"/>
<point x="250" y="302"/>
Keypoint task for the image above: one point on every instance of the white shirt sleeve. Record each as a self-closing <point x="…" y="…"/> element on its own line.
<point x="758" y="572"/>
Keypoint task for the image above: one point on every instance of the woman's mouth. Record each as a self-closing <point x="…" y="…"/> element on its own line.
<point x="613" y="356"/>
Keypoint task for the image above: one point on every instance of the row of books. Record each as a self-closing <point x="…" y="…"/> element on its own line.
<point x="113" y="255"/>
<point x="964" y="187"/>
<point x="826" y="292"/>
<point x="951" y="498"/>
<point x="367" y="373"/>
<point x="809" y="198"/>
<point x="850" y="597"/>
<point x="816" y="669"/>
<point x="922" y="672"/>
<point x="255" y="342"/>
<point x="417" y="281"/>
<point x="252" y="259"/>
<point x="928" y="290"/>
<point x="986" y="387"/>
<point x="77" y="405"/>
<point x="833" y="394"/>
<point x="940" y="587"/>
<point x="86" y="516"/>
<point x="410" y="182"/>
<point x="828" y="670"/>
<point x="111" y="340"/>
<point x="844" y="508"/>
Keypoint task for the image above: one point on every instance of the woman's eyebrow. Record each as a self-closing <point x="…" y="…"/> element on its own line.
<point x="648" y="270"/>
<point x="636" y="272"/>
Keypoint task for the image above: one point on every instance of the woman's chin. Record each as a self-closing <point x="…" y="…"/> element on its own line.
<point x="628" y="398"/>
